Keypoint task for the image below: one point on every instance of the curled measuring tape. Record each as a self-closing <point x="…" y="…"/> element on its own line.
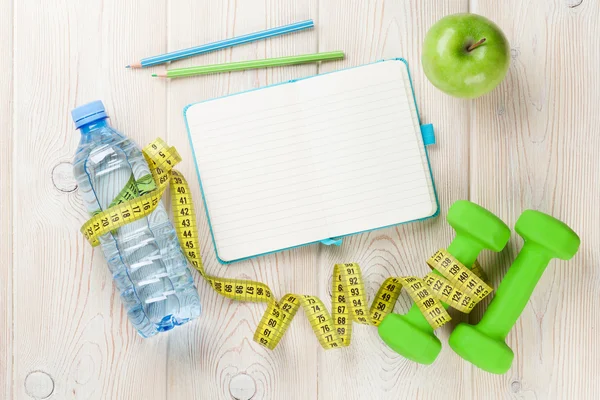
<point x="449" y="282"/>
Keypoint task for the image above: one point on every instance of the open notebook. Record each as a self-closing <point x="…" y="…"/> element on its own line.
<point x="311" y="159"/>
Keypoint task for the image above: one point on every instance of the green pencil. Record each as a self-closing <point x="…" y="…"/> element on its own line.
<point x="242" y="65"/>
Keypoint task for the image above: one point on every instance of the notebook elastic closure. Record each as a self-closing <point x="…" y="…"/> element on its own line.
<point x="428" y="134"/>
<point x="332" y="242"/>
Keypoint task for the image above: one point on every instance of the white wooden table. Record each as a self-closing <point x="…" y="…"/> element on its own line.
<point x="532" y="143"/>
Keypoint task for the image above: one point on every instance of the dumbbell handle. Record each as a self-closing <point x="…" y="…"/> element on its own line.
<point x="514" y="291"/>
<point x="465" y="250"/>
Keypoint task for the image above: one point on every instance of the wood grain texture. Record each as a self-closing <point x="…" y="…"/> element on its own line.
<point x="69" y="321"/>
<point x="208" y="357"/>
<point x="534" y="144"/>
<point x="6" y="148"/>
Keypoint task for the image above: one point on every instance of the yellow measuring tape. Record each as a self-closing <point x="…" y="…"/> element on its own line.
<point x="453" y="283"/>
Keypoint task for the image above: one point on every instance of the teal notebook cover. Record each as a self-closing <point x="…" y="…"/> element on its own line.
<point x="222" y="123"/>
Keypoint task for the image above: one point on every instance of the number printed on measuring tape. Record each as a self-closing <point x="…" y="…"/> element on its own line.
<point x="450" y="282"/>
<point x="467" y="288"/>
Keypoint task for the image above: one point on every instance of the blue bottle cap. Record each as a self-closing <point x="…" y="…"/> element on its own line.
<point x="87" y="113"/>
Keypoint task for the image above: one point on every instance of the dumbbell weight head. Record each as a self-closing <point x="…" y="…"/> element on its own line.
<point x="558" y="240"/>
<point x="489" y="353"/>
<point x="483" y="229"/>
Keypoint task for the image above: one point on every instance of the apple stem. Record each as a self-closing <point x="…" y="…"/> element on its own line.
<point x="475" y="45"/>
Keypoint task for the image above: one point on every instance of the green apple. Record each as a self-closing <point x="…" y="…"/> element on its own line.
<point x="465" y="55"/>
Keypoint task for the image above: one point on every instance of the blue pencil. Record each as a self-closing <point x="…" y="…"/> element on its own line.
<point x="222" y="44"/>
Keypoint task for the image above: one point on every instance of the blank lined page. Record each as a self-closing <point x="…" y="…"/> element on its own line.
<point x="322" y="157"/>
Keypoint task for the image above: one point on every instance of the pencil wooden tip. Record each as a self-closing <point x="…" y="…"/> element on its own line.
<point x="160" y="75"/>
<point x="134" y="65"/>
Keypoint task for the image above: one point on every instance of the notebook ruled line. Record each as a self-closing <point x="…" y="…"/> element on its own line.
<point x="274" y="187"/>
<point x="290" y="160"/>
<point x="223" y="220"/>
<point x="316" y="219"/>
<point x="305" y="111"/>
<point x="275" y="226"/>
<point x="339" y="179"/>
<point x="309" y="140"/>
<point x="320" y="195"/>
<point x="306" y="121"/>
<point x="386" y="84"/>
<point x="206" y="147"/>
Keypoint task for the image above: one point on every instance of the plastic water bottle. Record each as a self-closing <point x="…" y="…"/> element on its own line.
<point x="144" y="256"/>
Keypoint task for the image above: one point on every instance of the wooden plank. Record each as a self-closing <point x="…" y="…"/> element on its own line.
<point x="370" y="31"/>
<point x="73" y="336"/>
<point x="218" y="357"/>
<point x="6" y="147"/>
<point x="534" y="144"/>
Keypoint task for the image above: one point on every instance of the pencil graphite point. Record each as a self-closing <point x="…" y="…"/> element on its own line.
<point x="154" y="75"/>
<point x="128" y="66"/>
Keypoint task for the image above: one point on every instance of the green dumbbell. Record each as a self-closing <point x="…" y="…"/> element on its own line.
<point x="483" y="344"/>
<point x="410" y="335"/>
